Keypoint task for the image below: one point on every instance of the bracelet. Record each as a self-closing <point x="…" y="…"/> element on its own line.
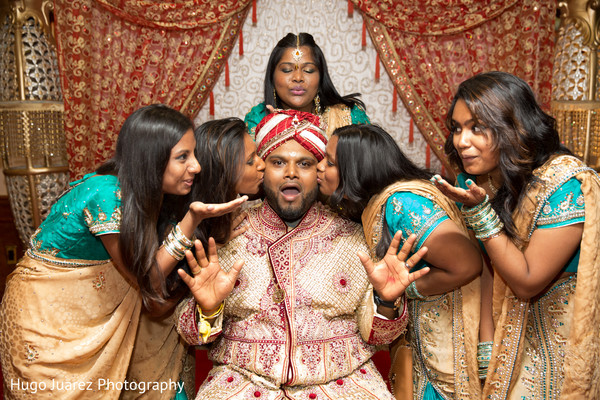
<point x="176" y="243"/>
<point x="484" y="355"/>
<point x="412" y="292"/>
<point x="483" y="220"/>
<point x="204" y="326"/>
<point x="380" y="302"/>
<point x="396" y="304"/>
<point x="213" y="315"/>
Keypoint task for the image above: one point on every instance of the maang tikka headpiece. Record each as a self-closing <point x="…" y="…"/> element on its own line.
<point x="297" y="55"/>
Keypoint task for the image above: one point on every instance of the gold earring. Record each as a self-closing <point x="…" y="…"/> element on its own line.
<point x="317" y="104"/>
<point x="275" y="97"/>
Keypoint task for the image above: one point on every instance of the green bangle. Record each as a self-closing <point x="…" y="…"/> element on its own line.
<point x="412" y="292"/>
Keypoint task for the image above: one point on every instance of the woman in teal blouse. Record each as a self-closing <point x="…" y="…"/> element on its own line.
<point x="368" y="177"/>
<point x="70" y="312"/>
<point x="535" y="209"/>
<point x="297" y="78"/>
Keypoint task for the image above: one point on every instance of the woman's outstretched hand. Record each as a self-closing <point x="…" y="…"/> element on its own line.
<point x="210" y="284"/>
<point x="469" y="197"/>
<point x="391" y="276"/>
<point x="202" y="211"/>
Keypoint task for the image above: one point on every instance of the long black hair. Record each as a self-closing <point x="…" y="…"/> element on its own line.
<point x="522" y="133"/>
<point x="327" y="92"/>
<point x="143" y="151"/>
<point x="368" y="160"/>
<point x="220" y="152"/>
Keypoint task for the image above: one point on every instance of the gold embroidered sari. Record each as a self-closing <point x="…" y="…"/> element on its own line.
<point x="549" y="347"/>
<point x="67" y="329"/>
<point x="443" y="329"/>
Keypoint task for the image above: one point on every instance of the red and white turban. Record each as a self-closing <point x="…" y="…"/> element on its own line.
<point x="282" y="125"/>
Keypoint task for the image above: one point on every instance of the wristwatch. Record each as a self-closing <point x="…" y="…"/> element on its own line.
<point x="380" y="302"/>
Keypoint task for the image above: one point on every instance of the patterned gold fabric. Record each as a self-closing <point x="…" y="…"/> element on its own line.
<point x="429" y="48"/>
<point x="116" y="56"/>
<point x="301" y="320"/>
<point x="549" y="347"/>
<point x="443" y="330"/>
<point x="158" y="356"/>
<point x="66" y="332"/>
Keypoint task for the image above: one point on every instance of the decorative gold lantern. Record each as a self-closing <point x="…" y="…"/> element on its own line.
<point x="575" y="92"/>
<point x="32" y="140"/>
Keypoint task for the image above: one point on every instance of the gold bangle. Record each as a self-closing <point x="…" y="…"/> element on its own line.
<point x="204" y="327"/>
<point x="213" y="315"/>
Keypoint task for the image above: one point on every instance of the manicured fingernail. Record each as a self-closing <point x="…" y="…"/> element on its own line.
<point x="469" y="182"/>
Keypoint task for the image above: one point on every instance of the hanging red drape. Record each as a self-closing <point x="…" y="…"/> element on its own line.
<point x="428" y="48"/>
<point x="118" y="55"/>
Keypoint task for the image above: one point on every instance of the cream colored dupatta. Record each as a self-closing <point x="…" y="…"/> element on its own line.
<point x="464" y="311"/>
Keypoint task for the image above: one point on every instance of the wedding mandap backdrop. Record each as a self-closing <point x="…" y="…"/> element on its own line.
<point x="73" y="70"/>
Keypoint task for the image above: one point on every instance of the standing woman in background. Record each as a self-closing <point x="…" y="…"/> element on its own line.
<point x="297" y="78"/>
<point x="71" y="308"/>
<point x="535" y="208"/>
<point x="368" y="178"/>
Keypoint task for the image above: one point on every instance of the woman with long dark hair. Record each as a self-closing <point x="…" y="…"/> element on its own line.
<point x="535" y="209"/>
<point x="230" y="167"/>
<point x="367" y="177"/>
<point x="297" y="78"/>
<point x="70" y="312"/>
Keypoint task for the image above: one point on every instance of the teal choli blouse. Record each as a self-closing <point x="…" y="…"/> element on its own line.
<point x="259" y="111"/>
<point x="412" y="213"/>
<point x="566" y="206"/>
<point x="91" y="207"/>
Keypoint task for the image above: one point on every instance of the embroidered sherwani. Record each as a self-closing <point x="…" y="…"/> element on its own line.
<point x="300" y="322"/>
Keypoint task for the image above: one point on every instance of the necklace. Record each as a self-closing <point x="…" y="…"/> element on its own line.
<point x="493" y="188"/>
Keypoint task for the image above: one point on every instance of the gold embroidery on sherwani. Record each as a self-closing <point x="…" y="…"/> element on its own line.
<point x="320" y="338"/>
<point x="439" y="320"/>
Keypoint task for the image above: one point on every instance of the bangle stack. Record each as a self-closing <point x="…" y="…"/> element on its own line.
<point x="412" y="292"/>
<point x="176" y="243"/>
<point x="204" y="327"/>
<point x="483" y="220"/>
<point x="484" y="355"/>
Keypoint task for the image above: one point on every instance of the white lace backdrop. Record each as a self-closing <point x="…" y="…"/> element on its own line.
<point x="352" y="68"/>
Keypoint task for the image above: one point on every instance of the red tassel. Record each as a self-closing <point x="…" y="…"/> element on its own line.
<point x="350" y="9"/>
<point x="211" y="104"/>
<point x="377" y="67"/>
<point x="254" y="20"/>
<point x="241" y="43"/>
<point x="226" y="73"/>
<point x="395" y="100"/>
<point x="411" y="131"/>
<point x="364" y="35"/>
<point x="427" y="156"/>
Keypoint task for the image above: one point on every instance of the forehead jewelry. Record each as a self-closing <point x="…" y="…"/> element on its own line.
<point x="297" y="54"/>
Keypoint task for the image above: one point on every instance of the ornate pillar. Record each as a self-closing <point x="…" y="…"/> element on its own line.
<point x="575" y="85"/>
<point x="32" y="140"/>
